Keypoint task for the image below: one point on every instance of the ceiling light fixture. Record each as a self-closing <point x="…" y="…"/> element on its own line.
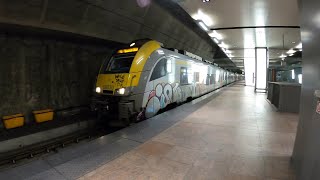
<point x="223" y="45"/>
<point x="204" y="1"/>
<point x="201" y="16"/>
<point x="216" y="40"/>
<point x="214" y="34"/>
<point x="228" y="51"/>
<point x="291" y="54"/>
<point x="203" y="25"/>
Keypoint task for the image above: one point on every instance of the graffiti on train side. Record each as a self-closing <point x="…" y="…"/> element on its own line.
<point x="119" y="79"/>
<point x="164" y="94"/>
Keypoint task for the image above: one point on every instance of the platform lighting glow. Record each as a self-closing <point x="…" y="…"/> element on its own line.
<point x="291" y="51"/>
<point x="203" y="26"/>
<point x="132" y="44"/>
<point x="300" y="78"/>
<point x="291" y="54"/>
<point x="230" y="56"/>
<point x="203" y="17"/>
<point x="293" y="76"/>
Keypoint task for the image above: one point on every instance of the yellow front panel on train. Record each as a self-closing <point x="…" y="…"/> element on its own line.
<point x="142" y="56"/>
<point x="111" y="82"/>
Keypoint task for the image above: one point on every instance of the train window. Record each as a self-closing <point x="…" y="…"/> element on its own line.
<point x="196" y="76"/>
<point x="159" y="70"/>
<point x="183" y="75"/>
<point x="208" y="79"/>
<point x="212" y="79"/>
<point x="120" y="64"/>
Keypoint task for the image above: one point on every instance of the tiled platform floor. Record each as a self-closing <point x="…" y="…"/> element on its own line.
<point x="236" y="136"/>
<point x="229" y="134"/>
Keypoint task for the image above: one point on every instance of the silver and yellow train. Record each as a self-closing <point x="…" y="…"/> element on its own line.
<point x="144" y="78"/>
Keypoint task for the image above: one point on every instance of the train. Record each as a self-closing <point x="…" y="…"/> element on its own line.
<point x="144" y="77"/>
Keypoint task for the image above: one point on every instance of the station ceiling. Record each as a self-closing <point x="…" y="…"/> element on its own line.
<point x="241" y="25"/>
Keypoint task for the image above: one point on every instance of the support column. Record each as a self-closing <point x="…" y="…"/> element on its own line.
<point x="261" y="69"/>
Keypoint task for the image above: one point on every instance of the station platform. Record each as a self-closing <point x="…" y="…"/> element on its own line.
<point x="230" y="134"/>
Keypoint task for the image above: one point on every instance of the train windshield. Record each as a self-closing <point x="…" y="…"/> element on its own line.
<point x="119" y="64"/>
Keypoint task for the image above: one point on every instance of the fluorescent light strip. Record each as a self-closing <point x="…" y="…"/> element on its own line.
<point x="228" y="51"/>
<point x="216" y="35"/>
<point x="203" y="26"/>
<point x="216" y="40"/>
<point x="223" y="45"/>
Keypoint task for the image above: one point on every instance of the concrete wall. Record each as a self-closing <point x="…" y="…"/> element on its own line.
<point x="42" y="73"/>
<point x="306" y="155"/>
<point x="115" y="20"/>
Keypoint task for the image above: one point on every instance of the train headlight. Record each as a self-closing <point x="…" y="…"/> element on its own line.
<point x="98" y="90"/>
<point x="121" y="91"/>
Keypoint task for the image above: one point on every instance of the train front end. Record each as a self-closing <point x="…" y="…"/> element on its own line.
<point x="117" y="92"/>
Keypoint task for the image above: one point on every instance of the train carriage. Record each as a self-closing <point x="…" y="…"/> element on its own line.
<point x="140" y="80"/>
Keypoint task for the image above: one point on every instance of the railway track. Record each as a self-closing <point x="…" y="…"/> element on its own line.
<point x="53" y="145"/>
